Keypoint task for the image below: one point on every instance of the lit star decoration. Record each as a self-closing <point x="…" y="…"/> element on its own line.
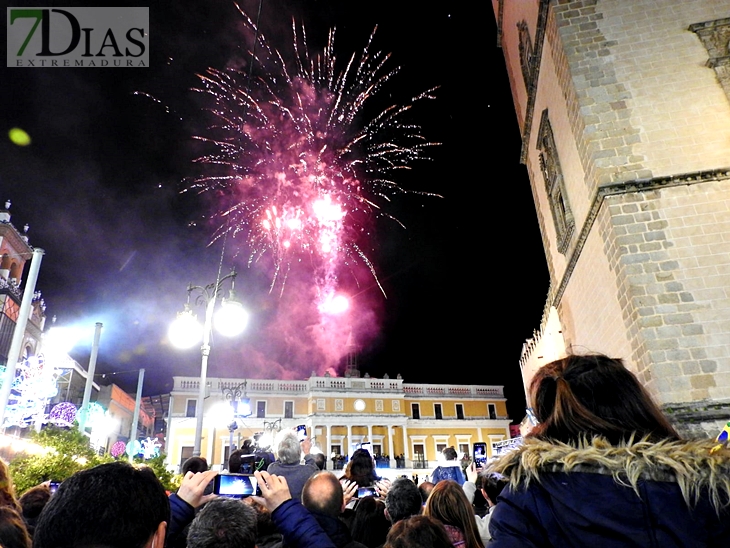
<point x="300" y="166"/>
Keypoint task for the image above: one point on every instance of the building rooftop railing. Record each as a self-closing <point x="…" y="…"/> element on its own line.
<point x="453" y="390"/>
<point x="339" y="384"/>
<point x="192" y="384"/>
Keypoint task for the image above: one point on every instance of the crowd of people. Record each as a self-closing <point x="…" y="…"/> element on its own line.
<point x="603" y="468"/>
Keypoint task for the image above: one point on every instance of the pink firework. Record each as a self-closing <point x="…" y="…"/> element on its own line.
<point x="298" y="166"/>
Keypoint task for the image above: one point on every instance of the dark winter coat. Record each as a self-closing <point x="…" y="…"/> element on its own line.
<point x="299" y="527"/>
<point x="296" y="475"/>
<point x="336" y="530"/>
<point x="663" y="495"/>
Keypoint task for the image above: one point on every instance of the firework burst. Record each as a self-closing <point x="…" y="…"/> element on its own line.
<point x="299" y="166"/>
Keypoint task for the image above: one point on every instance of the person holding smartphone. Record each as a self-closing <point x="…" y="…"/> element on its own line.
<point x="288" y="452"/>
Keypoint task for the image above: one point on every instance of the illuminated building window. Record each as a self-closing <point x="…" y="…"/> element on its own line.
<point x="554" y="184"/>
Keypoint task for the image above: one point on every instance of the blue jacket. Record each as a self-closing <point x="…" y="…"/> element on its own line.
<point x="181" y="515"/>
<point x="299" y="527"/>
<point x="663" y="495"/>
<point x="449" y="472"/>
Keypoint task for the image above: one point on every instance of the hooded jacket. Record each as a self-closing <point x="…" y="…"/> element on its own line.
<point x="641" y="494"/>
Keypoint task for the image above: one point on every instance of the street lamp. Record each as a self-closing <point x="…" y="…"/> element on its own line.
<point x="185" y="332"/>
<point x="240" y="407"/>
<point x="270" y="430"/>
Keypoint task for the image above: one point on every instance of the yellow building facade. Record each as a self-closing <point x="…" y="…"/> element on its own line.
<point x="411" y="421"/>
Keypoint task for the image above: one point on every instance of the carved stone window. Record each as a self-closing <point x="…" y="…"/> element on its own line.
<point x="715" y="36"/>
<point x="554" y="184"/>
<point x="525" y="52"/>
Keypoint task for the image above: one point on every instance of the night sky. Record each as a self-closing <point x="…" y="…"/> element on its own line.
<point x="100" y="188"/>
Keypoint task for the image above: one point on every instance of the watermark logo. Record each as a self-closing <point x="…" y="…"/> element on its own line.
<point x="78" y="37"/>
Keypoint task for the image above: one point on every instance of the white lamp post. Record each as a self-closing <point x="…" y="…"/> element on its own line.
<point x="185" y="332"/>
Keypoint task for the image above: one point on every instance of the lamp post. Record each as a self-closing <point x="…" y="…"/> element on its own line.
<point x="185" y="333"/>
<point x="240" y="408"/>
<point x="271" y="429"/>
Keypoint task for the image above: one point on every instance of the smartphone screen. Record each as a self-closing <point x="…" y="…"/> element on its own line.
<point x="480" y="454"/>
<point x="367" y="492"/>
<point x="302" y="432"/>
<point x="235" y="486"/>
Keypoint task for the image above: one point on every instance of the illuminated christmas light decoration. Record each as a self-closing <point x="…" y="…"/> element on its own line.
<point x="34" y="385"/>
<point x="150" y="448"/>
<point x="118" y="449"/>
<point x="133" y="448"/>
<point x="63" y="414"/>
<point x="94" y="415"/>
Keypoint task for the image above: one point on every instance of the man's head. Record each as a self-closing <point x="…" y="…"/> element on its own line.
<point x="34" y="500"/>
<point x="287" y="447"/>
<point x="323" y="493"/>
<point x="320" y="460"/>
<point x="403" y="500"/>
<point x="264" y="523"/>
<point x="450" y="453"/>
<point x="418" y="531"/>
<point x="113" y="505"/>
<point x="194" y="465"/>
<point x="425" y="489"/>
<point x="234" y="461"/>
<point x="491" y="487"/>
<point x="223" y="523"/>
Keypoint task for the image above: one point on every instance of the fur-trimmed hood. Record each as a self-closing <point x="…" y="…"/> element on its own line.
<point x="696" y="468"/>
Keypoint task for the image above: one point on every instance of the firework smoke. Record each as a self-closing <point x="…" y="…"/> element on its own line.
<point x="298" y="165"/>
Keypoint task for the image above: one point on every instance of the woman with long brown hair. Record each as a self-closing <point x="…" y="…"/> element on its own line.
<point x="361" y="469"/>
<point x="604" y="467"/>
<point x="7" y="490"/>
<point x="448" y="504"/>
